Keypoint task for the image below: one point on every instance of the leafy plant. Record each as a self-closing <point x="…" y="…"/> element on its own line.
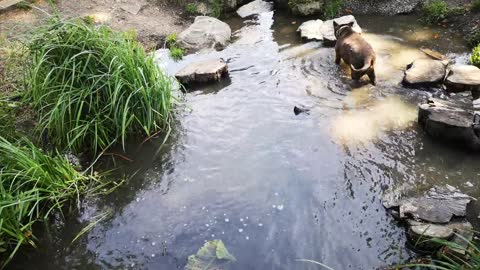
<point x="475" y="58"/>
<point x="191" y="8"/>
<point x="476" y="5"/>
<point x="435" y="11"/>
<point x="332" y="8"/>
<point x="217" y="7"/>
<point x="171" y="39"/>
<point x="32" y="186"/>
<point x="176" y="53"/>
<point x="93" y="87"/>
<point x="474" y="38"/>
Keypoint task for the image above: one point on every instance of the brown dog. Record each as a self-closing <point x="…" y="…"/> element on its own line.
<point x="355" y="51"/>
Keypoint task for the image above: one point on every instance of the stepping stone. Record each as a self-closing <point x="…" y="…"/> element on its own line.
<point x="425" y="72"/>
<point x="202" y="72"/>
<point x="319" y="30"/>
<point x="463" y="78"/>
<point x="254" y="8"/>
<point x="205" y="33"/>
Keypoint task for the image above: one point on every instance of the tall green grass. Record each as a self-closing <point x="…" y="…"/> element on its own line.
<point x="93" y="87"/>
<point x="32" y="186"/>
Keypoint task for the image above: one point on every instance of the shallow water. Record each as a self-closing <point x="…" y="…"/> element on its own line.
<point x="275" y="187"/>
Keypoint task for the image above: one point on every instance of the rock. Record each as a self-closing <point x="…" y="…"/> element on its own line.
<point x="254" y="8"/>
<point x="438" y="205"/>
<point x="202" y="72"/>
<point x="205" y="32"/>
<point x="300" y="109"/>
<point x="133" y="7"/>
<point x="450" y="120"/>
<point x="425" y="72"/>
<point x="306" y="8"/>
<point x="230" y="5"/>
<point x="426" y="230"/>
<point x="382" y="7"/>
<point x="310" y="30"/>
<point x="435" y="55"/>
<point x="463" y="78"/>
<point x="280" y="3"/>
<point x="459" y="232"/>
<point x="323" y="31"/>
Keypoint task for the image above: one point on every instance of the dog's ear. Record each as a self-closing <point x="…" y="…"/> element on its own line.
<point x="351" y="24"/>
<point x="335" y="24"/>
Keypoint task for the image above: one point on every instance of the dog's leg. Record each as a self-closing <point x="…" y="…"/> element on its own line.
<point x="337" y="57"/>
<point x="371" y="76"/>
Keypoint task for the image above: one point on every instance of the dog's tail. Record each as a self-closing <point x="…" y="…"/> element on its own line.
<point x="365" y="67"/>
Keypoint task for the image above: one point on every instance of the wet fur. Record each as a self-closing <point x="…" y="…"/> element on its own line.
<point x="355" y="51"/>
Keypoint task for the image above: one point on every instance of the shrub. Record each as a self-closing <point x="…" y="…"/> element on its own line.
<point x="176" y="53"/>
<point x="475" y="59"/>
<point x="217" y="7"/>
<point x="93" y="87"/>
<point x="474" y="38"/>
<point x="435" y="11"/>
<point x="332" y="8"/>
<point x="171" y="40"/>
<point x="32" y="186"/>
<point x="191" y="8"/>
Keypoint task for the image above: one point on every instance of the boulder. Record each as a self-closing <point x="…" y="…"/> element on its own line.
<point x="459" y="232"/>
<point x="205" y="32"/>
<point x="425" y="72"/>
<point x="254" y="8"/>
<point x="202" y="72"/>
<point x="230" y="5"/>
<point x="306" y="7"/>
<point x="382" y="7"/>
<point x="450" y="120"/>
<point x="463" y="78"/>
<point x="323" y="31"/>
<point x="438" y="205"/>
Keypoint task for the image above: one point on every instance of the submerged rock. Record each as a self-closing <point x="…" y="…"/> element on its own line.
<point x="323" y="31"/>
<point x="450" y="120"/>
<point x="205" y="32"/>
<point x="253" y="8"/>
<point x="306" y="8"/>
<point x="438" y="205"/>
<point x="202" y="72"/>
<point x="463" y="78"/>
<point x="425" y="72"/>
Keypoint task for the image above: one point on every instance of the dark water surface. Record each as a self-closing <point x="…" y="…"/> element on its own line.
<point x="276" y="187"/>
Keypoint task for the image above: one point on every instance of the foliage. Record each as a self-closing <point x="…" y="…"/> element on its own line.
<point x="435" y="11"/>
<point x="213" y="255"/>
<point x="32" y="186"/>
<point x="217" y="7"/>
<point x="171" y="39"/>
<point x="93" y="87"/>
<point x="475" y="59"/>
<point x="332" y="8"/>
<point x="176" y="53"/>
<point x="476" y="5"/>
<point x="474" y="38"/>
<point x="191" y="8"/>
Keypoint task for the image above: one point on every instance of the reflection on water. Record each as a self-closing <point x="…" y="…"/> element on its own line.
<point x="366" y="124"/>
<point x="274" y="187"/>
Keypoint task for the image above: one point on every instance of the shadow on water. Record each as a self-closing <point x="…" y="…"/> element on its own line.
<point x="273" y="186"/>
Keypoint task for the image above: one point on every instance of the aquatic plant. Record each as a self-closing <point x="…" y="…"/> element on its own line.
<point x="435" y="11"/>
<point x="475" y="58"/>
<point x="32" y="186"/>
<point x="332" y="8"/>
<point x="93" y="87"/>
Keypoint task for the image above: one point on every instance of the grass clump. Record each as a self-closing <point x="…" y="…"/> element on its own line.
<point x="435" y="11"/>
<point x="32" y="186"/>
<point x="93" y="87"/>
<point x="217" y="8"/>
<point x="175" y="51"/>
<point x="191" y="8"/>
<point x="476" y="5"/>
<point x="474" y="38"/>
<point x="332" y="8"/>
<point x="475" y="58"/>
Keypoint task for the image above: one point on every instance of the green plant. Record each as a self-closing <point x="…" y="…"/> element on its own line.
<point x="474" y="38"/>
<point x="191" y="8"/>
<point x="93" y="87"/>
<point x="476" y="5"/>
<point x="217" y="7"/>
<point x="475" y="58"/>
<point x="435" y="11"/>
<point x="176" y="53"/>
<point x="332" y="8"/>
<point x="32" y="186"/>
<point x="171" y="40"/>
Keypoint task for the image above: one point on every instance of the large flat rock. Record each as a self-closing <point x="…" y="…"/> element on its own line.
<point x="205" y="33"/>
<point x="425" y="72"/>
<point x="450" y="120"/>
<point x="319" y="30"/>
<point x="254" y="8"/>
<point x="202" y="72"/>
<point x="307" y="8"/>
<point x="463" y="78"/>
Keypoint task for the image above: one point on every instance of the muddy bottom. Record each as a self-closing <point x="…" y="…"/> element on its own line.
<point x="240" y="166"/>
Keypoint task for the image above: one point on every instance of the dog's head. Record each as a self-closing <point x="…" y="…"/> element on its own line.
<point x="339" y="28"/>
